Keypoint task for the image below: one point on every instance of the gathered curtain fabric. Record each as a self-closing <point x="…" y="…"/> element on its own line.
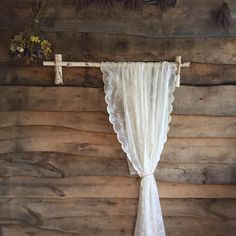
<point x="139" y="100"/>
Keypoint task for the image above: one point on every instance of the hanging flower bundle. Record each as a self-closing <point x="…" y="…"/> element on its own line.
<point x="28" y="46"/>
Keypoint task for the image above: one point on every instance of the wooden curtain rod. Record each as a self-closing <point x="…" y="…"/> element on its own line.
<point x="58" y="64"/>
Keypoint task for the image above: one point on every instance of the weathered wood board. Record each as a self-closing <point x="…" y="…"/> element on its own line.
<point x="196" y="74"/>
<point x="104" y="187"/>
<point x="213" y="209"/>
<point x="47" y="215"/>
<point x="216" y="100"/>
<point x="180" y="126"/>
<point x="106" y="145"/>
<point x="106" y="47"/>
<point x="58" y="165"/>
<point x="183" y="226"/>
<point x="177" y="22"/>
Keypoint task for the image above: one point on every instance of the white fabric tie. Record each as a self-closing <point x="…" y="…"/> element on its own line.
<point x="144" y="176"/>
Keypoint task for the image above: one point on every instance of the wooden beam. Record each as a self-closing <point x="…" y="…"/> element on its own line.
<point x="218" y="100"/>
<point x="104" y="187"/>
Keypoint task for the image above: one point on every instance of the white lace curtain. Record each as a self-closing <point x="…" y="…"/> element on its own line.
<point x="139" y="100"/>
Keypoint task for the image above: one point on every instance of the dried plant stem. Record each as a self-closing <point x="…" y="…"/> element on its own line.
<point x="222" y="16"/>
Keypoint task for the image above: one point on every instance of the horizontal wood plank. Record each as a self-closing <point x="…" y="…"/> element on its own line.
<point x="180" y="126"/>
<point x="102" y="187"/>
<point x="193" y="227"/>
<point x="23" y="230"/>
<point x="80" y="121"/>
<point x="121" y="226"/>
<point x="196" y="173"/>
<point x="82" y="226"/>
<point x="39" y="75"/>
<point x="58" y="98"/>
<point x="71" y="216"/>
<point x="69" y="16"/>
<point x="57" y="165"/>
<point x="46" y="214"/>
<point x="196" y="74"/>
<point x="21" y="210"/>
<point x="202" y="126"/>
<point x="188" y="100"/>
<point x="205" y="100"/>
<point x="208" y="74"/>
<point x="106" y="47"/>
<point x="106" y="145"/>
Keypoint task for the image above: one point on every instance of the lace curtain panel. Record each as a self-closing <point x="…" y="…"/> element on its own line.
<point x="139" y="100"/>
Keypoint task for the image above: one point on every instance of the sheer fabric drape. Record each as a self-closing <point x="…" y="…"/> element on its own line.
<point x="139" y="100"/>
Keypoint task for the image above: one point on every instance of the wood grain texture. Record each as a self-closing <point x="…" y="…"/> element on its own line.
<point x="57" y="165"/>
<point x="62" y="170"/>
<point x="51" y="214"/>
<point x="77" y="121"/>
<point x="180" y="126"/>
<point x="85" y="226"/>
<point x="22" y="209"/>
<point x="208" y="74"/>
<point x="202" y="126"/>
<point x="219" y="100"/>
<point x="196" y="173"/>
<point x="23" y="230"/>
<point x="44" y="76"/>
<point x="196" y="74"/>
<point x="104" y="186"/>
<point x="58" y="98"/>
<point x="106" y="145"/>
<point x="177" y="22"/>
<point x="192" y="227"/>
<point x="106" y="47"/>
<point x="183" y="226"/>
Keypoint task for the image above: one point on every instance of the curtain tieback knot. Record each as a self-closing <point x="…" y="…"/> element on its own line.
<point x="144" y="176"/>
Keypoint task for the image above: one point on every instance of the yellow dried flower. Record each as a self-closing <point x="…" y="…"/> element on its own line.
<point x="32" y="38"/>
<point x="35" y="39"/>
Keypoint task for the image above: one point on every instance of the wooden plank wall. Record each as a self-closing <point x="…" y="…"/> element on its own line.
<point x="62" y="170"/>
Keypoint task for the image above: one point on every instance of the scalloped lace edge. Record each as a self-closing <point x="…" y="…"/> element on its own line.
<point x="116" y="128"/>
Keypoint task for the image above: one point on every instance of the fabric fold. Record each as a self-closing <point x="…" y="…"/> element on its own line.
<point x="139" y="100"/>
<point x="149" y="218"/>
